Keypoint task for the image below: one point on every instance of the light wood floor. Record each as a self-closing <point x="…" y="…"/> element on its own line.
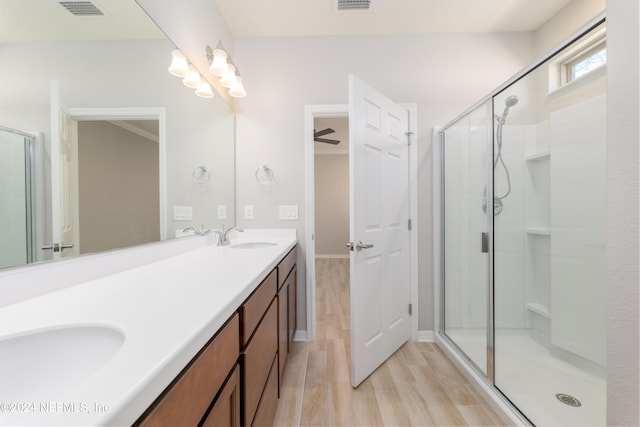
<point x="417" y="386"/>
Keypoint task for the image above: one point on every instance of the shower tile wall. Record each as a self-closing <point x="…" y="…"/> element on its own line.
<point x="509" y="233"/>
<point x="578" y="229"/>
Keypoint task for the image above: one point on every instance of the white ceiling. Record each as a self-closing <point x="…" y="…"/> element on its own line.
<point x="300" y="18"/>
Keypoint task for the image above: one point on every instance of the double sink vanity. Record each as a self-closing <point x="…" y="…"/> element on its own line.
<point x="196" y="338"/>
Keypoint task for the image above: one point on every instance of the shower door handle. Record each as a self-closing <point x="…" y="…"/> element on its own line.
<point x="485" y="243"/>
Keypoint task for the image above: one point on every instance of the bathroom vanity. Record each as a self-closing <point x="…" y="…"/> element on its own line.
<point x="199" y="338"/>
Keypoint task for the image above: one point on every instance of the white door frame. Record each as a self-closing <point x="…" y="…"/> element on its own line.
<point x="150" y="113"/>
<point x="342" y="110"/>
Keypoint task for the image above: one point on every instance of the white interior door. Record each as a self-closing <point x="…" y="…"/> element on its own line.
<point x="379" y="229"/>
<point x="64" y="180"/>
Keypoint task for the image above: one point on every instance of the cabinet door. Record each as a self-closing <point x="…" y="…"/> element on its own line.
<point x="226" y="411"/>
<point x="266" y="412"/>
<point x="293" y="307"/>
<point x="283" y="330"/>
<point x="257" y="358"/>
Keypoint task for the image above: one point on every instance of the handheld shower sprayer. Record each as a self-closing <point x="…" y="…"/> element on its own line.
<point x="497" y="200"/>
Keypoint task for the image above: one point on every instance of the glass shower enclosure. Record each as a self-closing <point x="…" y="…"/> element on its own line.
<point x="16" y="198"/>
<point x="524" y="212"/>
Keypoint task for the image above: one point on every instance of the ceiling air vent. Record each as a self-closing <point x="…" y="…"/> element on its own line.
<point x="81" y="8"/>
<point x="343" y="5"/>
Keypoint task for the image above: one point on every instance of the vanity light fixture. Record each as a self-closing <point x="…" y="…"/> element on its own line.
<point x="229" y="77"/>
<point x="218" y="63"/>
<point x="179" y="66"/>
<point x="221" y="65"/>
<point x="237" y="90"/>
<point x="192" y="79"/>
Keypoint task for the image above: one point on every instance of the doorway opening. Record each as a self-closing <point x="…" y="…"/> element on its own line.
<point x="118" y="161"/>
<point x="331" y="263"/>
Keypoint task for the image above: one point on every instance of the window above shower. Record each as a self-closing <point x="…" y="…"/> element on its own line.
<point x="581" y="64"/>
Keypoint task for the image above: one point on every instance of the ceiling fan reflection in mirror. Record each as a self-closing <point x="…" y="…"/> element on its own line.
<point x="318" y="134"/>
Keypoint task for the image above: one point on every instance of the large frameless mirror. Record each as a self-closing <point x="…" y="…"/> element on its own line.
<point x="139" y="156"/>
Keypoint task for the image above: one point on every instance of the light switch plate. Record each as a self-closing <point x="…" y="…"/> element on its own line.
<point x="248" y="211"/>
<point x="182" y="213"/>
<point x="222" y="211"/>
<point x="288" y="213"/>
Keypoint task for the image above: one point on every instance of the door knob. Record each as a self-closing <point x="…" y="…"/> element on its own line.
<point x="358" y="246"/>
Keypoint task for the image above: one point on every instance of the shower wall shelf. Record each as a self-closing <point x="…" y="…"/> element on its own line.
<point x="539" y="231"/>
<point x="542" y="155"/>
<point x="540" y="309"/>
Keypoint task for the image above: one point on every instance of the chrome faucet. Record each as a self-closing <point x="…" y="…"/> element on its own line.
<point x="200" y="232"/>
<point x="223" y="236"/>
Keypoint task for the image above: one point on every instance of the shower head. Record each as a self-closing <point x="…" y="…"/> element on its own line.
<point x="511" y="101"/>
<point x="508" y="103"/>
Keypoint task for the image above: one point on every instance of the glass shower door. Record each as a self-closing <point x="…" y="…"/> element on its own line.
<point x="467" y="153"/>
<point x="549" y="249"/>
<point x="15" y="199"/>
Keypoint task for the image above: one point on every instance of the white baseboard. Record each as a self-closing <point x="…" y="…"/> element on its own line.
<point x="300" y="336"/>
<point x="328" y="256"/>
<point x="426" y="336"/>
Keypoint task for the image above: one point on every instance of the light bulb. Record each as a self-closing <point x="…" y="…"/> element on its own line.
<point x="192" y="79"/>
<point x="179" y="66"/>
<point x="219" y="63"/>
<point x="237" y="91"/>
<point x="204" y="90"/>
<point x="229" y="78"/>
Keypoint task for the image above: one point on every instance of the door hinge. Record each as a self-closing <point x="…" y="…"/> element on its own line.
<point x="410" y="309"/>
<point x="408" y="137"/>
<point x="409" y="224"/>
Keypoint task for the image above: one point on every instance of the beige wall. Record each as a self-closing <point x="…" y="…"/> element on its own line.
<point x="332" y="203"/>
<point x="118" y="186"/>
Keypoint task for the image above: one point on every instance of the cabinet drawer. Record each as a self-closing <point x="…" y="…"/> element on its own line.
<point x="254" y="308"/>
<point x="226" y="411"/>
<point x="285" y="266"/>
<point x="266" y="412"/>
<point x="185" y="402"/>
<point x="257" y="359"/>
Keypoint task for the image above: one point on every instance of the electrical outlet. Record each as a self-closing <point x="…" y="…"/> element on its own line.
<point x="248" y="211"/>
<point x="222" y="211"/>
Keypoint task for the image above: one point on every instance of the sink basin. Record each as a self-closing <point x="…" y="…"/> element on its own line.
<point x="46" y="363"/>
<point x="252" y="245"/>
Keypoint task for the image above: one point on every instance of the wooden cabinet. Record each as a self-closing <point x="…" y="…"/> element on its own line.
<point x="257" y="358"/>
<point x="269" y="403"/>
<point x="235" y="379"/>
<point x="254" y="308"/>
<point x="226" y="411"/>
<point x="287" y="311"/>
<point x="186" y="400"/>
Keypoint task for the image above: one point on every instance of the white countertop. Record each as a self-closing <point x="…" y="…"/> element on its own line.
<point x="167" y="311"/>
